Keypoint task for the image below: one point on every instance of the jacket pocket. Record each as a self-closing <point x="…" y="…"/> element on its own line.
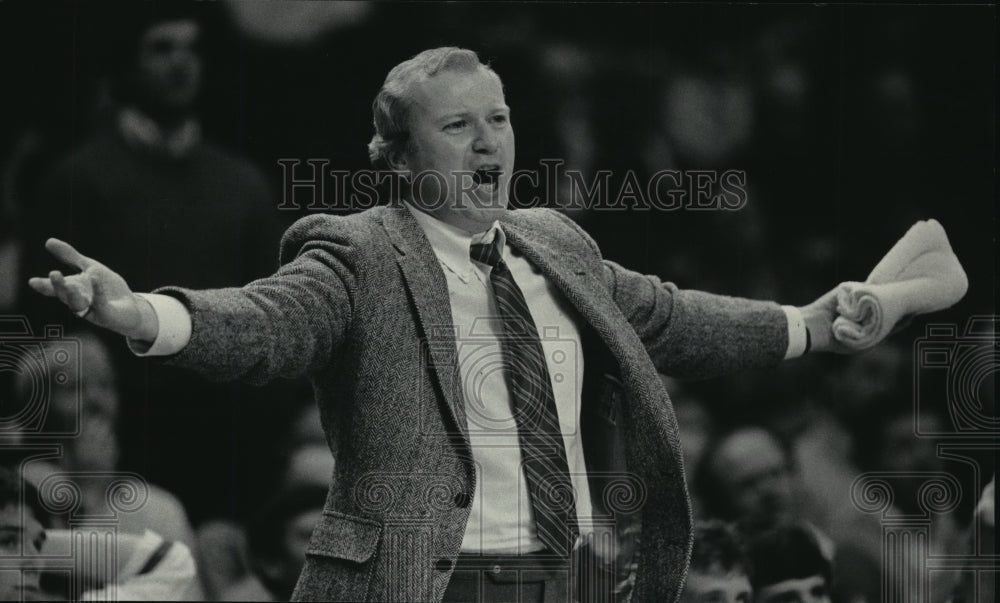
<point x="345" y="537"/>
<point x="340" y="559"/>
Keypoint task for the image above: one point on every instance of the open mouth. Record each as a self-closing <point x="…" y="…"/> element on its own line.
<point x="487" y="175"/>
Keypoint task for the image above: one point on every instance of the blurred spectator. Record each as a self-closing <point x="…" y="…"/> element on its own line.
<point x="709" y="116"/>
<point x="152" y="178"/>
<point x="300" y="23"/>
<point x="10" y="247"/>
<point x="10" y="267"/>
<point x="305" y="427"/>
<point x="150" y="195"/>
<point x="898" y="448"/>
<point x="91" y="396"/>
<point x="823" y="452"/>
<point x="747" y="476"/>
<point x="894" y="445"/>
<point x="22" y="534"/>
<point x="693" y="418"/>
<point x="868" y="384"/>
<point x="279" y="535"/>
<point x="697" y="428"/>
<point x="149" y="568"/>
<point x="720" y="568"/>
<point x="789" y="566"/>
<point x="308" y="460"/>
<point x="225" y="563"/>
<point x="310" y="464"/>
<point x="971" y="586"/>
<point x="223" y="557"/>
<point x="567" y="73"/>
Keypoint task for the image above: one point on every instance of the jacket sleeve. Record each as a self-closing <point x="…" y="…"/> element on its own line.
<point x="692" y="334"/>
<point x="696" y="335"/>
<point x="286" y="325"/>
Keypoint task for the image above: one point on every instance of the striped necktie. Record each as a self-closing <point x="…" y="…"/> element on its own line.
<point x="543" y="454"/>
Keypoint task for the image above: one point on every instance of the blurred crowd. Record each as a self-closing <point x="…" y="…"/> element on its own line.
<point x="148" y="135"/>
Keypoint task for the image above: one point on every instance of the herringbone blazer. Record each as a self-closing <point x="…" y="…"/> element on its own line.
<point x="360" y="306"/>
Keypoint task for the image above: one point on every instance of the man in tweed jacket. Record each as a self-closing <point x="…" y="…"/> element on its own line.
<point x="361" y="306"/>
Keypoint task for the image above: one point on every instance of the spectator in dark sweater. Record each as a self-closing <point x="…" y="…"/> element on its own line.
<point x="148" y="191"/>
<point x="151" y="194"/>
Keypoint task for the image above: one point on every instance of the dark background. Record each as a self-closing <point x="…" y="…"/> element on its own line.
<point x="851" y="122"/>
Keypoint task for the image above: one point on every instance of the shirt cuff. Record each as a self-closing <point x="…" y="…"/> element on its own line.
<point x="796" y="332"/>
<point x="174" y="327"/>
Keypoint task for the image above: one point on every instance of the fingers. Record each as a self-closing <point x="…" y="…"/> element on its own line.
<point x="74" y="291"/>
<point x="43" y="286"/>
<point x="68" y="254"/>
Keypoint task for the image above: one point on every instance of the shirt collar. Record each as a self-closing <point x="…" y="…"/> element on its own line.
<point x="451" y="244"/>
<point x="141" y="131"/>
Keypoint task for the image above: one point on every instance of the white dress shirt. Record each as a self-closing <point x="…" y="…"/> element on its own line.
<point x="501" y="518"/>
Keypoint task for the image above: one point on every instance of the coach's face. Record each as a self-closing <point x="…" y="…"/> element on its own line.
<point x="461" y="152"/>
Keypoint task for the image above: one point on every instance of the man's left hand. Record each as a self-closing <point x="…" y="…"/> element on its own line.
<point x="819" y="317"/>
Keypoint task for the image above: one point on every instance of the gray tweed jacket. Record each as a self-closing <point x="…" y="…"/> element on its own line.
<point x="360" y="306"/>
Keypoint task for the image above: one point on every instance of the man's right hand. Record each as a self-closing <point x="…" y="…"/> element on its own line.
<point x="97" y="294"/>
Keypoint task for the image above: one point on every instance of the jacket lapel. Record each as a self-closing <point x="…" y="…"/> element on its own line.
<point x="583" y="289"/>
<point x="428" y="290"/>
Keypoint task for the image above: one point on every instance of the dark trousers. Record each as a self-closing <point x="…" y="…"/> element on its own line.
<point x="532" y="578"/>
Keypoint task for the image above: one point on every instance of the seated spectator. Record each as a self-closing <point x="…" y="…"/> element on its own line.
<point x="305" y="461"/>
<point x="972" y="586"/>
<point x="186" y="210"/>
<point x="696" y="427"/>
<point x="149" y="166"/>
<point x="892" y="442"/>
<point x="10" y="258"/>
<point x="693" y="417"/>
<point x="223" y="557"/>
<point x="94" y="449"/>
<point x="22" y="534"/>
<point x="278" y="538"/>
<point x="822" y="453"/>
<point x="310" y="464"/>
<point x="789" y="566"/>
<point x="746" y="476"/>
<point x="309" y="460"/>
<point x="720" y="569"/>
<point x="149" y="568"/>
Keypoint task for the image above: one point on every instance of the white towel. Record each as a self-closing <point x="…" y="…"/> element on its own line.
<point x="920" y="274"/>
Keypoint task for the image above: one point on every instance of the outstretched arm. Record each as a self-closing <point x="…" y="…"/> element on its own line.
<point x="284" y="325"/>
<point x="695" y="335"/>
